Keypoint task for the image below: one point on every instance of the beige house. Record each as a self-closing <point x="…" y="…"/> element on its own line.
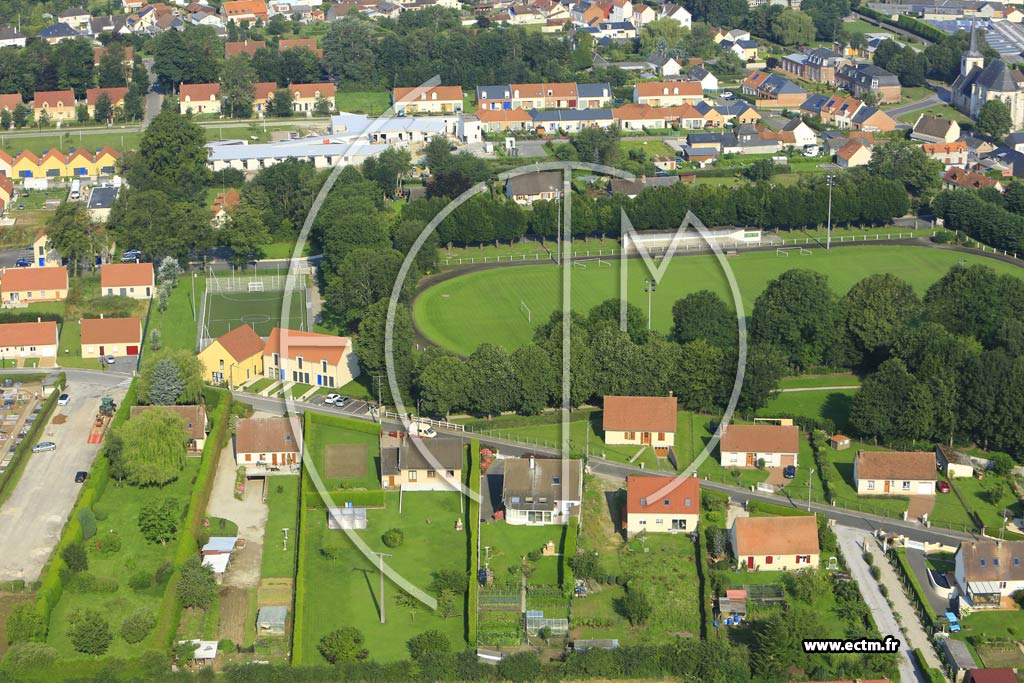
<point x="199" y="98"/>
<point x="133" y="280"/>
<point x="439" y="99"/>
<point x="28" y="340"/>
<point x="775" y="543"/>
<point x="111" y="337"/>
<point x="640" y="420"/>
<point x="988" y="573"/>
<point x="321" y="360"/>
<point x="268" y="445"/>
<point x="22" y="286"/>
<point x="435" y="465"/>
<point x="661" y="504"/>
<point x="194" y="418"/>
<point x="886" y="473"/>
<point x="745" y="445"/>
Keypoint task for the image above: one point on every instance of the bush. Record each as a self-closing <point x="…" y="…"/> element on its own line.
<point x="137" y="626"/>
<point x="75" y="558"/>
<point x="88" y="521"/>
<point x="712" y="501"/>
<point x="141" y="580"/>
<point x="520" y="667"/>
<point x="430" y="642"/>
<point x="163" y="573"/>
<point x="109" y="543"/>
<point x="89" y="632"/>
<point x="393" y="537"/>
<point x="25" y="623"/>
<point x="450" y="580"/>
<point x="100" y="514"/>
<point x="226" y="646"/>
<point x="343" y="645"/>
<point x="28" y="656"/>
<point x="86" y="582"/>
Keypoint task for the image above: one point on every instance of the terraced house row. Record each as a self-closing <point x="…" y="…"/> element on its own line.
<point x="61" y="105"/>
<point x="56" y="164"/>
<point x="205" y="98"/>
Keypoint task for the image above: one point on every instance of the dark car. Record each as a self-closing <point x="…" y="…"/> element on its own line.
<point x="23" y="263"/>
<point x="789" y="472"/>
<point x="80" y="476"/>
<point x="943" y="486"/>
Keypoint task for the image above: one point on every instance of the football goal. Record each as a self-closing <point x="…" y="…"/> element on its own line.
<point x="525" y="310"/>
<point x="784" y="251"/>
<point x="255" y="286"/>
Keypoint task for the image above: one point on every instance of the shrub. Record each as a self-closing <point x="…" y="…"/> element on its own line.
<point x="533" y="555"/>
<point x="343" y="645"/>
<point x="450" y="580"/>
<point x="393" y="537"/>
<point x="141" y="580"/>
<point x="634" y="605"/>
<point x="942" y="237"/>
<point x="109" y="543"/>
<point x="520" y="667"/>
<point x="137" y="626"/>
<point x="331" y="552"/>
<point x="427" y="643"/>
<point x="29" y="656"/>
<point x="25" y="623"/>
<point x="88" y="521"/>
<point x="876" y="573"/>
<point x="226" y="645"/>
<point x="75" y="558"/>
<point x="86" y="582"/>
<point x="89" y="632"/>
<point x="163" y="573"/>
<point x="100" y="514"/>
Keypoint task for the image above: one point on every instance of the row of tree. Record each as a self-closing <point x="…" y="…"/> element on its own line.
<point x="940" y="60"/>
<point x="980" y="215"/>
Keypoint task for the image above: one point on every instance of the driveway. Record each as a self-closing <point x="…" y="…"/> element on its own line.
<point x="530" y="149"/>
<point x="32" y="518"/>
<point x="917" y="563"/>
<point x="930" y="101"/>
<point x="249" y="514"/>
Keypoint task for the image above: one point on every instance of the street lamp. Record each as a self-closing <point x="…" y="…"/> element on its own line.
<point x="810" y="478"/>
<point x="831" y="180"/>
<point x="650" y="286"/>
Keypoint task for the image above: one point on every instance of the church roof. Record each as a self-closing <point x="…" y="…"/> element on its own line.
<point x="996" y="77"/>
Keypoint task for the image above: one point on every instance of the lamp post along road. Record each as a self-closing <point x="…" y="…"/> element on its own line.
<point x="831" y="180"/>
<point x="810" y="478"/>
<point x="650" y="286"/>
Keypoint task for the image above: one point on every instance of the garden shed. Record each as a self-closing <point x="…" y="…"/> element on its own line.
<point x="270" y="621"/>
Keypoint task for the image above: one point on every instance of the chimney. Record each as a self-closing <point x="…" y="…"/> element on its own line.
<point x="101" y="316"/>
<point x="39" y="319"/>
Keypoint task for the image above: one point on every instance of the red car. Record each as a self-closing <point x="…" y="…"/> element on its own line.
<point x="943" y="487"/>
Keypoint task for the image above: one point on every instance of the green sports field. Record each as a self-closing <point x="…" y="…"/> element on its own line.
<point x="261" y="310"/>
<point x="486" y="306"/>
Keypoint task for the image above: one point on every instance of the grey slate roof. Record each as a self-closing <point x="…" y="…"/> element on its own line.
<point x="593" y="90"/>
<point x="638" y="185"/>
<point x="997" y="77"/>
<point x="58" y="30"/>
<point x="864" y="113"/>
<point x="536" y="183"/>
<point x="933" y="126"/>
<point x="814" y="103"/>
<point x="560" y="115"/>
<point x="448" y="453"/>
<point x="864" y="74"/>
<point x="493" y="92"/>
<point x="537" y="487"/>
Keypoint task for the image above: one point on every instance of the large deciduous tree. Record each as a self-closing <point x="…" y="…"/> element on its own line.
<point x="795" y="312"/>
<point x="171" y="158"/>
<point x="994" y="119"/>
<point x="197" y="586"/>
<point x="154" y="447"/>
<point x="236" y="86"/>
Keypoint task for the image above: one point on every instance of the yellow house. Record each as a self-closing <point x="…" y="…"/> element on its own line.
<point x="133" y="280"/>
<point x="43" y="255"/>
<point x="111" y="337"/>
<point x="28" y="340"/>
<point x="6" y="161"/>
<point x="26" y="165"/>
<point x="53" y="164"/>
<point x="776" y="543"/>
<point x="321" y="360"/>
<point x="81" y="163"/>
<point x="58" y="105"/>
<point x="22" y="286"/>
<point x="235" y="358"/>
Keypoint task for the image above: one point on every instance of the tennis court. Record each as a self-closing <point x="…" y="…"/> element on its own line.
<point x="260" y="310"/>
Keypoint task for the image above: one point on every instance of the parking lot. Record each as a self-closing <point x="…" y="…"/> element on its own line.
<point x="32" y="518"/>
<point x="19" y="406"/>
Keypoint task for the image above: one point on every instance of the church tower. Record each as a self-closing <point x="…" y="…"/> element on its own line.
<point x="973" y="57"/>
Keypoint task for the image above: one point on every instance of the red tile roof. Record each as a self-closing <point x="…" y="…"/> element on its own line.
<point x="10" y="101"/>
<point x="312" y="90"/>
<point x="640" y="413"/>
<point x="116" y="95"/>
<point x="312" y="346"/>
<point x="243" y="47"/>
<point x="499" y="115"/>
<point x="53" y="98"/>
<point x="676" y="495"/>
<point x="902" y="465"/>
<point x="439" y="93"/>
<point x="111" y="331"/>
<point x="28" y="334"/>
<point x="670" y="89"/>
<point x="760" y="439"/>
<point x="34" y="279"/>
<point x="241" y="343"/>
<point x="776" y="536"/>
<point x="266" y="435"/>
<point x="957" y="147"/>
<point x="199" y="92"/>
<point x="126" y="275"/>
<point x="968" y="179"/>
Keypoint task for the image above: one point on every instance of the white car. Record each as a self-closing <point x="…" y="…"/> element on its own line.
<point x="727" y="95"/>
<point x="329" y="399"/>
<point x="422" y="430"/>
<point x="63" y="400"/>
<point x="110" y="360"/>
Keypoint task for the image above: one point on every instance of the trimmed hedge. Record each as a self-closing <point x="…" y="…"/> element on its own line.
<point x="907" y="23"/>
<point x="775" y="509"/>
<point x="707" y="626"/>
<point x="21" y="455"/>
<point x="472" y="528"/>
<point x="569" y="544"/>
<point x="917" y="596"/>
<point x="343" y="422"/>
<point x="933" y="674"/>
<point x="298" y="595"/>
<point x="357" y="497"/>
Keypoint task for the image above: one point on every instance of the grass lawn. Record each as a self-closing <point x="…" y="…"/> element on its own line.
<point x="283" y="250"/>
<point x="86" y="139"/>
<point x="839" y="379"/>
<point x="369" y="103"/>
<point x="122" y="504"/>
<point x="841" y="463"/>
<point x="992" y="624"/>
<point x="831" y="404"/>
<point x="843" y="234"/>
<point x="282" y="513"/>
<point x="484" y="306"/>
<point x="529" y="249"/>
<point x="949" y="512"/>
<point x="652" y="148"/>
<point x="943" y="110"/>
<point x="297" y="390"/>
<point x="322" y="434"/>
<point x="974" y="494"/>
<point x="346" y="591"/>
<point x="259" y="385"/>
<point x="940" y="561"/>
<point x="177" y="324"/>
<point x="861" y="26"/>
<point x="510" y="543"/>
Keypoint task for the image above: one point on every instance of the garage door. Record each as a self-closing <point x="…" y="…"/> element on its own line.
<point x="133" y="350"/>
<point x="925" y="487"/>
<point x="786" y="460"/>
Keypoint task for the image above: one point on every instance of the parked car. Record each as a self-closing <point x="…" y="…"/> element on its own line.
<point x="727" y="95"/>
<point x="422" y="430"/>
<point x="23" y="263"/>
<point x="131" y="255"/>
<point x="44" y="446"/>
<point x="109" y="360"/>
<point x="789" y="472"/>
<point x="63" y="400"/>
<point x="341" y="401"/>
<point x="329" y="399"/>
<point x="80" y="477"/>
<point x="943" y="486"/>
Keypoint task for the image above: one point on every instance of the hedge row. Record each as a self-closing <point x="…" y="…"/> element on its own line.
<point x="907" y="23"/>
<point x="52" y="587"/>
<point x="823" y="465"/>
<point x="472" y="528"/>
<point x="343" y="422"/>
<point x="774" y="509"/>
<point x="933" y="675"/>
<point x="357" y="497"/>
<point x="21" y="456"/>
<point x="707" y="626"/>
<point x="219" y="402"/>
<point x="298" y="594"/>
<point x="569" y="544"/>
<point x="899" y="559"/>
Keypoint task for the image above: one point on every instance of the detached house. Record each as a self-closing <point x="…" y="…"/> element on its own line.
<point x="441" y="99"/>
<point x="775" y="543"/>
<point x="266" y="445"/>
<point x="21" y="286"/>
<point x="244" y="11"/>
<point x="199" y="98"/>
<point x="28" y="340"/>
<point x="949" y="153"/>
<point x="118" y="337"/>
<point x="115" y="95"/>
<point x="988" y="573"/>
<point x="668" y="93"/>
<point x="321" y="360"/>
<point x="640" y="420"/>
<point x="935" y="129"/>
<point x="194" y="419"/>
<point x="235" y="358"/>
<point x="527" y="188"/>
<point x="542" y="491"/>
<point x="306" y="95"/>
<point x="884" y="473"/>
<point x="661" y="504"/>
<point x="134" y="280"/>
<point x="745" y="445"/>
<point x="408" y="468"/>
<point x="57" y="105"/>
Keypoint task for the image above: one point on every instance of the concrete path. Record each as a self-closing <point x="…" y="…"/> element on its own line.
<point x="249" y="514"/>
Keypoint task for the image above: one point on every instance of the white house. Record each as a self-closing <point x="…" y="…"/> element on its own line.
<point x="885" y="473"/>
<point x="539" y="491"/>
<point x="988" y="573"/>
<point x="746" y="445"/>
<point x="640" y="420"/>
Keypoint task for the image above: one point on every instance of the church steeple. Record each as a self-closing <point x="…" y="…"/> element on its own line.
<point x="973" y="57"/>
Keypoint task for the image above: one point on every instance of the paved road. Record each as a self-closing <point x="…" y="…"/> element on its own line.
<point x="930" y="101"/>
<point x="153" y="100"/>
<point x="851" y="541"/>
<point x="32" y="518"/>
<point x="795" y="389"/>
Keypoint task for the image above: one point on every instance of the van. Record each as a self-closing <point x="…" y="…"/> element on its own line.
<point x="422" y="430"/>
<point x="76" y="189"/>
